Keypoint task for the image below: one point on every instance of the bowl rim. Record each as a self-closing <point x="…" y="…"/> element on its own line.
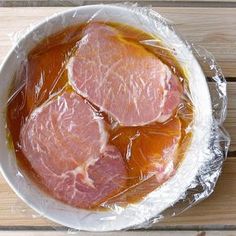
<point x="7" y="178"/>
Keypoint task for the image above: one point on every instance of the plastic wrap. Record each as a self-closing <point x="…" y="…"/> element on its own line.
<point x="107" y="119"/>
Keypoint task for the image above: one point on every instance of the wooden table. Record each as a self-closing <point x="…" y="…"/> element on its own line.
<point x="208" y="23"/>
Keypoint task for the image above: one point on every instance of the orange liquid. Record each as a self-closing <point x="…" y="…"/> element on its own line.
<point x="44" y="74"/>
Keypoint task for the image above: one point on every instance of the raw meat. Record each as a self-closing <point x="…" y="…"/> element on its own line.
<point x="122" y="78"/>
<point x="66" y="144"/>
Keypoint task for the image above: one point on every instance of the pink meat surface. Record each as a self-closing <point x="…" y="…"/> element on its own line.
<point x="66" y="144"/>
<point x="123" y="78"/>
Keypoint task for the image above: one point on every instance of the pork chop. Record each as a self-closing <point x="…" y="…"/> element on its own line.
<point x="66" y="144"/>
<point x="122" y="77"/>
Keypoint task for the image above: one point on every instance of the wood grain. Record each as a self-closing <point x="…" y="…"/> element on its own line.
<point x="212" y="28"/>
<point x="134" y="233"/>
<point x="217" y="211"/>
<point x="166" y="3"/>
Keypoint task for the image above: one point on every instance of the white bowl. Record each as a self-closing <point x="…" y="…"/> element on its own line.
<point x="155" y="202"/>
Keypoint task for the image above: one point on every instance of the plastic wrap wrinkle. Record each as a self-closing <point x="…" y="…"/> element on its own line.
<point x="111" y="119"/>
<point x="75" y="166"/>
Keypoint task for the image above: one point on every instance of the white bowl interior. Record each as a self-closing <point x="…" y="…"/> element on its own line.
<point x="158" y="200"/>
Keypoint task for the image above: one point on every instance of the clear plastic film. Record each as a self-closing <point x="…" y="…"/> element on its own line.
<point x="108" y="119"/>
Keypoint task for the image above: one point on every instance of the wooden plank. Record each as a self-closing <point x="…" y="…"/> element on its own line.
<point x="136" y="233"/>
<point x="215" y="29"/>
<point x="212" y="28"/>
<point x="127" y="233"/>
<point x="218" y="211"/>
<point x="159" y="3"/>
